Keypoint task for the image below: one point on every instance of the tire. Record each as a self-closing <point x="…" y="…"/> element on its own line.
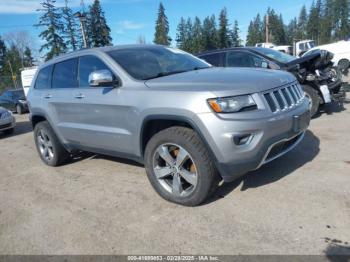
<point x="198" y="167"/>
<point x="50" y="149"/>
<point x="19" y="110"/>
<point x="314" y="99"/>
<point x="9" y="131"/>
<point x="343" y="64"/>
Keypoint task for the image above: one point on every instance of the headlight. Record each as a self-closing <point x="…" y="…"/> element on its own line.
<point x="22" y="101"/>
<point x="232" y="104"/>
<point x="5" y="115"/>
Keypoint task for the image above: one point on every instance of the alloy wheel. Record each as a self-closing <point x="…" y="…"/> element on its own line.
<point x="175" y="169"/>
<point x="45" y="145"/>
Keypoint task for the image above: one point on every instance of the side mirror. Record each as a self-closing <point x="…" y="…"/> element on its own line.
<point x="264" y="64"/>
<point x="101" y="78"/>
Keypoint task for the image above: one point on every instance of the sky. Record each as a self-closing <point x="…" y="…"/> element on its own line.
<point x="129" y="19"/>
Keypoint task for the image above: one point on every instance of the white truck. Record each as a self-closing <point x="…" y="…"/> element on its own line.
<point x="27" y="75"/>
<point x="298" y="48"/>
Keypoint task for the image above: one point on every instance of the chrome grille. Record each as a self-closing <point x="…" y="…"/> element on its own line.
<point x="284" y="97"/>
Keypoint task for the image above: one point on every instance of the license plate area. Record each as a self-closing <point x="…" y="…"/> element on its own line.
<point x="301" y="122"/>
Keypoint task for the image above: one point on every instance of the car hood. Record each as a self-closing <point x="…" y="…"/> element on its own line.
<point x="317" y="60"/>
<point x="2" y="110"/>
<point x="218" y="80"/>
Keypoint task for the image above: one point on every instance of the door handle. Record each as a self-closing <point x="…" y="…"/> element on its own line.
<point x="48" y="96"/>
<point x="79" y="96"/>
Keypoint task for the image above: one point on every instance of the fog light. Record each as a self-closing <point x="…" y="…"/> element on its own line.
<point x="242" y="139"/>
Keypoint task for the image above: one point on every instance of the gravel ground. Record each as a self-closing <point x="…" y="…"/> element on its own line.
<point x="298" y="204"/>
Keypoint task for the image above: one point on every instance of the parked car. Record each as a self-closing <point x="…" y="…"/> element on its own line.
<point x="7" y="121"/>
<point x="321" y="82"/>
<point x="14" y="100"/>
<point x="189" y="123"/>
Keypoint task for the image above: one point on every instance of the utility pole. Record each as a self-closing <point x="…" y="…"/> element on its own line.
<point x="82" y="19"/>
<point x="267" y="29"/>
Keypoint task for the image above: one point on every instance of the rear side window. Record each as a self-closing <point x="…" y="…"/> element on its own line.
<point x="65" y="74"/>
<point x="243" y="59"/>
<point x="43" y="78"/>
<point x="213" y="59"/>
<point x="87" y="65"/>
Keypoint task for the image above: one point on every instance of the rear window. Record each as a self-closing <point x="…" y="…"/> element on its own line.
<point x="65" y="74"/>
<point x="43" y="78"/>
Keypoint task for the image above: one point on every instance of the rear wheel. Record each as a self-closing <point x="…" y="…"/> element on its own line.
<point x="180" y="167"/>
<point x="314" y="99"/>
<point x="49" y="147"/>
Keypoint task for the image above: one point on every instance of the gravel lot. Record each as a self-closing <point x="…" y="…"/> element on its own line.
<point x="299" y="204"/>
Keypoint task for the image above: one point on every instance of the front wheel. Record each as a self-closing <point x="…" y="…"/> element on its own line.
<point x="180" y="167"/>
<point x="19" y="110"/>
<point x="314" y="99"/>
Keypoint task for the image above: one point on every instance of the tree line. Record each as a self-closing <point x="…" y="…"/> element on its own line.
<point x="194" y="35"/>
<point x="326" y="21"/>
<point x="61" y="31"/>
<point x="15" y="54"/>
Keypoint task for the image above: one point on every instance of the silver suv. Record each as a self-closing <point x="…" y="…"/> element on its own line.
<point x="191" y="124"/>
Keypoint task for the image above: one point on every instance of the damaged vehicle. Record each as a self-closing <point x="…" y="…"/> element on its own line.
<point x="321" y="81"/>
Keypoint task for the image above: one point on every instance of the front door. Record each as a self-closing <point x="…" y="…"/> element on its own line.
<point x="101" y="118"/>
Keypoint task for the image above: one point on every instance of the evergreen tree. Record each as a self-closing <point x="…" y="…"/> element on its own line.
<point x="342" y="25"/>
<point x="97" y="29"/>
<point x="313" y="24"/>
<point x="188" y="44"/>
<point x="235" y="39"/>
<point x="223" y="32"/>
<point x="51" y="21"/>
<point x="255" y="32"/>
<point x="181" y="34"/>
<point x="161" y="36"/>
<point x="327" y="22"/>
<point x="302" y="24"/>
<point x="197" y="38"/>
<point x="71" y="29"/>
<point x="291" y="31"/>
<point x="2" y="54"/>
<point x="28" y="59"/>
<point x="209" y="33"/>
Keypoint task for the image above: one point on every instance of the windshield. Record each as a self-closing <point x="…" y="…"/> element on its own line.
<point x="19" y="94"/>
<point x="276" y="55"/>
<point x="312" y="44"/>
<point x="144" y="63"/>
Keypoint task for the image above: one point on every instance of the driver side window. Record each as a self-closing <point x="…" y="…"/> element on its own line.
<point x="88" y="64"/>
<point x="243" y="59"/>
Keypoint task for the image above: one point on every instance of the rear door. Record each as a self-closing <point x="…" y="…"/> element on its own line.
<point x="58" y="99"/>
<point x="6" y="100"/>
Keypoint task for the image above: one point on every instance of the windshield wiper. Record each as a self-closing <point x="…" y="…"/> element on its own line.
<point x="164" y="74"/>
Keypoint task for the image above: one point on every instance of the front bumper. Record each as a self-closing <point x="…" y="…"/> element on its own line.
<point x="270" y="138"/>
<point x="7" y="123"/>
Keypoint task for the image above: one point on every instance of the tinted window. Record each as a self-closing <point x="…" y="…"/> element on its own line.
<point x="43" y="79"/>
<point x="152" y="62"/>
<point x="213" y="59"/>
<point x="243" y="59"/>
<point x="6" y="95"/>
<point x="65" y="74"/>
<point x="88" y="64"/>
<point x="276" y="55"/>
<point x="18" y="94"/>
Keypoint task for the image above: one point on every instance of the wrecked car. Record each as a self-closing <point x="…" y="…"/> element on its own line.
<point x="321" y="81"/>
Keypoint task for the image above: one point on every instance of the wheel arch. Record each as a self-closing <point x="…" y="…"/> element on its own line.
<point x="153" y="124"/>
